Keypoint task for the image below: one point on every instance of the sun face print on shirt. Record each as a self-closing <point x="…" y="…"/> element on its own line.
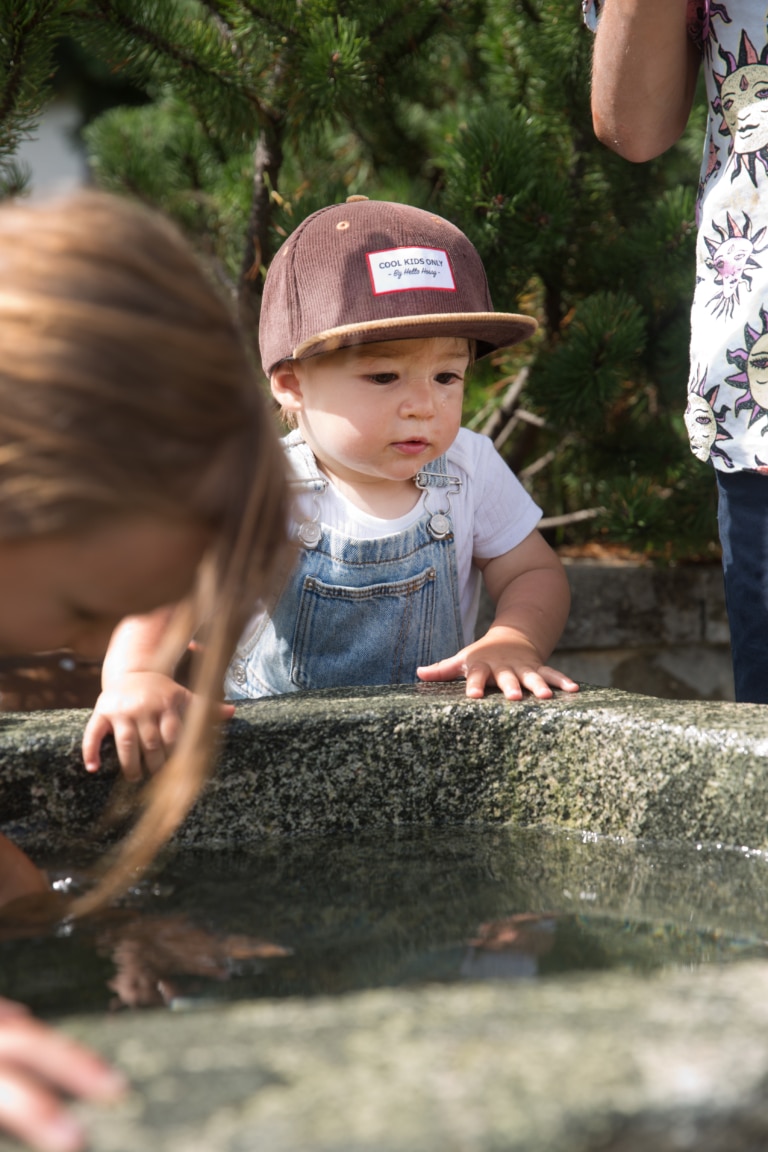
<point x="714" y="163"/>
<point x="701" y="23"/>
<point x="705" y="424"/>
<point x="743" y="103"/>
<point x="731" y="255"/>
<point x="752" y="362"/>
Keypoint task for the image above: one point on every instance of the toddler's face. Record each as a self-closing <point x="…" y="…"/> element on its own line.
<point x="380" y="412"/>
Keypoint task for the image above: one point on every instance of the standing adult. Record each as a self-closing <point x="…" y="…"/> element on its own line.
<point x="648" y="56"/>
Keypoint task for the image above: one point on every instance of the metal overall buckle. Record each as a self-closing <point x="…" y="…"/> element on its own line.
<point x="439" y="524"/>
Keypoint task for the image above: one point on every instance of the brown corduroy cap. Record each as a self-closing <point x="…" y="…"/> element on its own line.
<point x="371" y="270"/>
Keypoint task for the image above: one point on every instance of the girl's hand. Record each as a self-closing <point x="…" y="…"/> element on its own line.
<point x="37" y="1066"/>
<point x="504" y="658"/>
<point x="145" y="715"/>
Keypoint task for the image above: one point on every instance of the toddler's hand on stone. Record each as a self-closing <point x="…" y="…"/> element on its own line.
<point x="504" y="658"/>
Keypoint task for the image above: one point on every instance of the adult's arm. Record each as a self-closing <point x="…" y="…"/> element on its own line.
<point x="643" y="76"/>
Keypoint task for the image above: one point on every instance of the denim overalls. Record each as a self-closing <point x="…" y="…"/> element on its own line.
<point x="357" y="611"/>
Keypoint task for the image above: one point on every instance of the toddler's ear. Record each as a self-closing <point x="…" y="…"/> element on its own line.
<point x="286" y="386"/>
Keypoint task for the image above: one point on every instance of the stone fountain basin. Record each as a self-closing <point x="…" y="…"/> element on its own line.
<point x="583" y="1063"/>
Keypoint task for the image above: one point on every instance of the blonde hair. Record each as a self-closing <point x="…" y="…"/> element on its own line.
<point x="125" y="388"/>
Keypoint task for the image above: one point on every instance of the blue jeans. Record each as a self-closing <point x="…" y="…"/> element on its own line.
<point x="742" y="516"/>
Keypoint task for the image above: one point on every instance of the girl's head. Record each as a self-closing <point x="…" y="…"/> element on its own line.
<point x="124" y="387"/>
<point x="133" y="436"/>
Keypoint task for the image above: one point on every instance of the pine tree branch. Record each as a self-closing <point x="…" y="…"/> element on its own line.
<point x="219" y="15"/>
<point x="521" y="416"/>
<point x="161" y="46"/>
<point x="505" y="409"/>
<point x="221" y="22"/>
<point x="386" y="60"/>
<point x="260" y="14"/>
<point x="153" y="40"/>
<point x="374" y="122"/>
<point x="267" y="161"/>
<point x="397" y="18"/>
<point x="544" y="461"/>
<point x="17" y="43"/>
<point x="570" y="518"/>
<point x="212" y="137"/>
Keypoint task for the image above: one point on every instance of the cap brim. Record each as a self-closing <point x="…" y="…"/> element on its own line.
<point x="491" y="330"/>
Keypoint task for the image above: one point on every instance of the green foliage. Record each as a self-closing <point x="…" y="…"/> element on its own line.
<point x="309" y="101"/>
<point x="28" y="30"/>
<point x="256" y="114"/>
<point x="505" y="184"/>
<point x="335" y="68"/>
<point x="581" y="375"/>
<point x="662" y="520"/>
<point x="603" y="252"/>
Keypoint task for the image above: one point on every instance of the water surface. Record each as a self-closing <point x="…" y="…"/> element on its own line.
<point x="333" y="915"/>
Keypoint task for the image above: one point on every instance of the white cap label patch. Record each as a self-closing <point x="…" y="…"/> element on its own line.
<point x="402" y="269"/>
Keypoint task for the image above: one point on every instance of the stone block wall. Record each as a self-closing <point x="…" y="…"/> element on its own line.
<point x="658" y="631"/>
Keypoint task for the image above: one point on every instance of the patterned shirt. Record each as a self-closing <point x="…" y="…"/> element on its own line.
<point x="727" y="412"/>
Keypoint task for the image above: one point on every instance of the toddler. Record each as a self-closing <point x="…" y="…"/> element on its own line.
<point x="372" y="313"/>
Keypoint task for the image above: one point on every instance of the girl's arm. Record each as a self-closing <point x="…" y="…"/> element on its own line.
<point x="643" y="76"/>
<point x="532" y="597"/>
<point x="19" y="877"/>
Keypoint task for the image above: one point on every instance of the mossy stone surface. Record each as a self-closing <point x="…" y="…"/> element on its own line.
<point x="667" y="1063"/>
<point x="602" y="760"/>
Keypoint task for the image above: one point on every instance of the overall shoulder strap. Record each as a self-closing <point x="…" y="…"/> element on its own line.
<point x="436" y="475"/>
<point x="306" y="474"/>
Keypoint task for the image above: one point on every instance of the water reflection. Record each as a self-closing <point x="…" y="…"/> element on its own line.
<point x="310" y="917"/>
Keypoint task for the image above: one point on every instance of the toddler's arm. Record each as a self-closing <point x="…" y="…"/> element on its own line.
<point x="141" y="705"/>
<point x="643" y="76"/>
<point x="532" y="597"/>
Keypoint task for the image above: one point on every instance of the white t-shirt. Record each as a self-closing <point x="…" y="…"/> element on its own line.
<point x="491" y="514"/>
